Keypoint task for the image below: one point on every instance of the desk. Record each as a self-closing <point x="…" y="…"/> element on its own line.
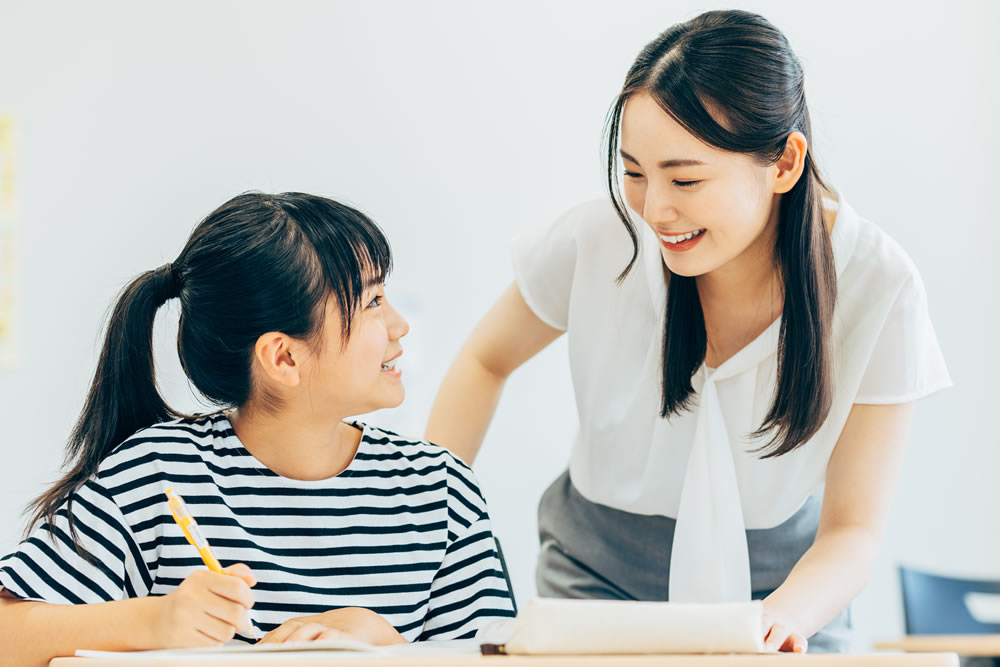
<point x="986" y="646"/>
<point x="773" y="660"/>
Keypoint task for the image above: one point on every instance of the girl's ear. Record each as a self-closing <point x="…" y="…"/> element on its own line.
<point x="789" y="167"/>
<point x="276" y="356"/>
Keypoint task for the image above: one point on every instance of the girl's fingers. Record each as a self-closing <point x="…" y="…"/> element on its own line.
<point x="243" y="572"/>
<point x="227" y="611"/>
<point x="280" y="634"/>
<point x="218" y="631"/>
<point x="231" y="587"/>
<point x="307" y="632"/>
<point x="334" y="633"/>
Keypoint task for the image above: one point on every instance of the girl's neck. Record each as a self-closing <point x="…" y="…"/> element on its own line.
<point x="296" y="446"/>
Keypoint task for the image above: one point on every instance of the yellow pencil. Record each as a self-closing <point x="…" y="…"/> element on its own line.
<point x="190" y="527"/>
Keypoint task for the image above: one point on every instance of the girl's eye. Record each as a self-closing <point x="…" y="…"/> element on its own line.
<point x="376" y="302"/>
<point x="633" y="174"/>
<point x="686" y="184"/>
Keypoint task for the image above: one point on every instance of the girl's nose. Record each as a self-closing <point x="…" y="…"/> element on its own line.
<point x="398" y="326"/>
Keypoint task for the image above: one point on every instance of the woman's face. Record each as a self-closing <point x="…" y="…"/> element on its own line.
<point x="708" y="207"/>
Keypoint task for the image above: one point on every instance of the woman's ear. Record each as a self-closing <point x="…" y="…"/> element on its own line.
<point x="789" y="167"/>
<point x="276" y="356"/>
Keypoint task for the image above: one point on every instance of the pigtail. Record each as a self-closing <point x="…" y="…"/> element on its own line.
<point x="123" y="397"/>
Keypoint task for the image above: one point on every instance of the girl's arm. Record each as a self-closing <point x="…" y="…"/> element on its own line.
<point x="860" y="479"/>
<point x="508" y="335"/>
<point x="205" y="610"/>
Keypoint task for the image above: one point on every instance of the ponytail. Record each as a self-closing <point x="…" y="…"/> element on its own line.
<point x="123" y="397"/>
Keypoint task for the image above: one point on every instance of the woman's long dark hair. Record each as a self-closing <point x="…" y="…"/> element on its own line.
<point x="741" y="67"/>
<point x="256" y="264"/>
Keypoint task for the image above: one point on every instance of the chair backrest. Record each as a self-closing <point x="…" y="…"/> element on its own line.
<point x="506" y="574"/>
<point x="936" y="605"/>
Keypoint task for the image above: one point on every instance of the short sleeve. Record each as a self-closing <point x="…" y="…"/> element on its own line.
<point x="470" y="588"/>
<point x="544" y="263"/>
<point x="107" y="566"/>
<point x="906" y="363"/>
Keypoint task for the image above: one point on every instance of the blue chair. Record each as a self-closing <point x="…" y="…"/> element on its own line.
<point x="936" y="605"/>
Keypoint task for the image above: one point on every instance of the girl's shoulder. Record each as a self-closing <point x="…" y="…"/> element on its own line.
<point x="191" y="439"/>
<point x="413" y="456"/>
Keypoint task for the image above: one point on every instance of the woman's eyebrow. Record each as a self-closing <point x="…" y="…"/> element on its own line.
<point x="666" y="164"/>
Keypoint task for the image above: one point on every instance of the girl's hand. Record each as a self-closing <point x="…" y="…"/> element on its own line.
<point x="206" y="609"/>
<point x="779" y="636"/>
<point x="352" y="623"/>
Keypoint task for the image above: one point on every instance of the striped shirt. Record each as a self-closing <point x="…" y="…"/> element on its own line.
<point x="403" y="531"/>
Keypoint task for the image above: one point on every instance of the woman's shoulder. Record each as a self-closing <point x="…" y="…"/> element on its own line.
<point x="876" y="258"/>
<point x="876" y="264"/>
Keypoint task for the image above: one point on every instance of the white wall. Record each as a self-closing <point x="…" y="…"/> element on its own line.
<point x="456" y="125"/>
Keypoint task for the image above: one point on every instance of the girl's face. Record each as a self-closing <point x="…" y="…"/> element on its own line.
<point x="363" y="375"/>
<point x="707" y="206"/>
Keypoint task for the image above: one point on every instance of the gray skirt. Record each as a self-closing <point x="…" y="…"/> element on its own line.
<point x="593" y="551"/>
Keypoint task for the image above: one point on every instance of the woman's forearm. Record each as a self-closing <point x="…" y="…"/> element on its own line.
<point x="32" y="633"/>
<point x="825" y="580"/>
<point x="464" y="406"/>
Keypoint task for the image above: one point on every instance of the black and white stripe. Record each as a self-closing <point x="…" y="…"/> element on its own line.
<point x="402" y="531"/>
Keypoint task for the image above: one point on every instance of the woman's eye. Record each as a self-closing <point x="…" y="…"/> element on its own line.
<point x="633" y="174"/>
<point x="376" y="302"/>
<point x="686" y="184"/>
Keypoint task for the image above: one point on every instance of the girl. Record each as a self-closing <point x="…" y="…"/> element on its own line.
<point x="750" y="346"/>
<point x="333" y="528"/>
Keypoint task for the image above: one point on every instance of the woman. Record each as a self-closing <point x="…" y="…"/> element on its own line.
<point x="749" y="348"/>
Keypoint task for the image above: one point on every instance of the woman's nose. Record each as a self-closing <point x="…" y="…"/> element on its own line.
<point x="658" y="205"/>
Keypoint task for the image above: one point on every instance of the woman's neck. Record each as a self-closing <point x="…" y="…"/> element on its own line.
<point x="296" y="446"/>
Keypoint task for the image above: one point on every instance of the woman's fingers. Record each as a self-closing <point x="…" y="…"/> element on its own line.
<point x="775" y="637"/>
<point x="782" y="638"/>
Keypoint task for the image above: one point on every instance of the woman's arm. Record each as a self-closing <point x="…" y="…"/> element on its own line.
<point x="205" y="610"/>
<point x="860" y="479"/>
<point x="507" y="336"/>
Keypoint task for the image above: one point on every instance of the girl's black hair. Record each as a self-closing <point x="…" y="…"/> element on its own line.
<point x="738" y="66"/>
<point x="258" y="263"/>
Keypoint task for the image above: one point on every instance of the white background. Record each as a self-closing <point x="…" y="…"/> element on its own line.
<point x="457" y="125"/>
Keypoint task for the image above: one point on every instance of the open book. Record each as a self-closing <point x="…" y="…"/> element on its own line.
<point x="571" y="627"/>
<point x="240" y="652"/>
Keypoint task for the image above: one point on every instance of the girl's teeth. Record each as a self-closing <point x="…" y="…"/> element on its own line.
<point x="391" y="366"/>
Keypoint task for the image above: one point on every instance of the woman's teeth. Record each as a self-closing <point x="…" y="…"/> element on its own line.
<point x="682" y="237"/>
<point x="391" y="366"/>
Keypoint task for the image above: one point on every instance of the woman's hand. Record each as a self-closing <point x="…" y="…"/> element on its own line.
<point x="353" y="623"/>
<point x="779" y="636"/>
<point x="207" y="609"/>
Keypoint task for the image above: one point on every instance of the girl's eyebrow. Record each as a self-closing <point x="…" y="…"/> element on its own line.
<point x="666" y="164"/>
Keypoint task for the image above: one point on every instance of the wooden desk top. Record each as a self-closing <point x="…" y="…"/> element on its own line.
<point x="970" y="645"/>
<point x="770" y="660"/>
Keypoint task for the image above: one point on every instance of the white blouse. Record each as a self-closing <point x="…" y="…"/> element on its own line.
<point x="696" y="467"/>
